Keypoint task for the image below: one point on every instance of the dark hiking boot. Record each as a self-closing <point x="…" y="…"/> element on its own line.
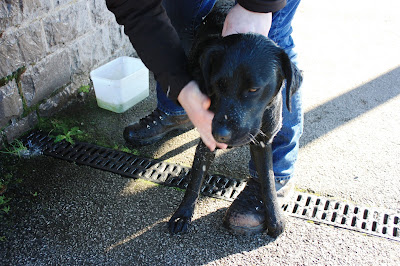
<point x="246" y="215"/>
<point x="154" y="127"/>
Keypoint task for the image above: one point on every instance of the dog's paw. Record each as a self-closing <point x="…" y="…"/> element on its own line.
<point x="276" y="228"/>
<point x="180" y="222"/>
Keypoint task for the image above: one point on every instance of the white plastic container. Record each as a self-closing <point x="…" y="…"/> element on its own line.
<point x="120" y="84"/>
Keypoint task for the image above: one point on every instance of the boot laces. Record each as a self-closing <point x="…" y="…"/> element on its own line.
<point x="152" y="119"/>
<point x="251" y="196"/>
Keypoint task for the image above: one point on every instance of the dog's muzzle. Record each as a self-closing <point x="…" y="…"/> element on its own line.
<point x="222" y="134"/>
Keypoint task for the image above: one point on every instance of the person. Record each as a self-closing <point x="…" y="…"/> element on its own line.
<point x="161" y="33"/>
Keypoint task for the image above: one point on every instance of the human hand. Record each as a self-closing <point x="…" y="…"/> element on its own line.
<point x="196" y="105"/>
<point x="241" y="20"/>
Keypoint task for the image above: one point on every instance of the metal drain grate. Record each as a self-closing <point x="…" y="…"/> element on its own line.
<point x="302" y="205"/>
<point x="133" y="166"/>
<point x="340" y="214"/>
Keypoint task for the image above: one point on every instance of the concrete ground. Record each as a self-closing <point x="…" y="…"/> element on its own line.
<point x="67" y="214"/>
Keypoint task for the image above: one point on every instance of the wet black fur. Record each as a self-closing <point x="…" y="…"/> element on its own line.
<point x="243" y="75"/>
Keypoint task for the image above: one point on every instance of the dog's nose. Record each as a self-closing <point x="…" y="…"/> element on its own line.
<point x="222" y="134"/>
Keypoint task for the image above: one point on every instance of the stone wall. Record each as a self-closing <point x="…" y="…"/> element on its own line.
<point x="47" y="49"/>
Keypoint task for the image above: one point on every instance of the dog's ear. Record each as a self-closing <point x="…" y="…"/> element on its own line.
<point x="207" y="60"/>
<point x="293" y="76"/>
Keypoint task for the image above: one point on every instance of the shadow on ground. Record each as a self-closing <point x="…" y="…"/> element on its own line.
<point x="84" y="215"/>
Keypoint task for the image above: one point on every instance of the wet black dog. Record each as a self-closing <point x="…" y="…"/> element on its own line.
<point x="243" y="75"/>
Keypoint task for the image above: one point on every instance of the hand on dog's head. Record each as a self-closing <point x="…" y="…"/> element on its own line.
<point x="255" y="50"/>
<point x="243" y="75"/>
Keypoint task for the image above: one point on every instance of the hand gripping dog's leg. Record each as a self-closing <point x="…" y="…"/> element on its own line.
<point x="262" y="157"/>
<point x="180" y="221"/>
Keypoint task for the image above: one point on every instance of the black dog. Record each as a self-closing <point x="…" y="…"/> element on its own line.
<point x="243" y="75"/>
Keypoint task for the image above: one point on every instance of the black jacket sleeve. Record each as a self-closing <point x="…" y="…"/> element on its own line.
<point x="155" y="40"/>
<point x="262" y="6"/>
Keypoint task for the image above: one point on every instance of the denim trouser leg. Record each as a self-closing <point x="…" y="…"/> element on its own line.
<point x="185" y="16"/>
<point x="285" y="146"/>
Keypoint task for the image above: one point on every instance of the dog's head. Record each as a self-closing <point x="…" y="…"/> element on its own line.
<point x="243" y="75"/>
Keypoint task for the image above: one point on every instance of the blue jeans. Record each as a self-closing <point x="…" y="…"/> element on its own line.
<point x="186" y="16"/>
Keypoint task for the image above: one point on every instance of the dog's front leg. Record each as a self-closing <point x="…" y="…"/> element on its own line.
<point x="180" y="221"/>
<point x="262" y="157"/>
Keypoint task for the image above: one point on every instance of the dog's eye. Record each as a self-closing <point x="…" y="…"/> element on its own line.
<point x="253" y="89"/>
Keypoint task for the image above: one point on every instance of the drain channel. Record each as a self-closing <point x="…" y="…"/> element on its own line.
<point x="133" y="166"/>
<point x="344" y="215"/>
<point x="302" y="205"/>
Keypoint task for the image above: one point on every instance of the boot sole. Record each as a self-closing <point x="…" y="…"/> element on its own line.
<point x="242" y="230"/>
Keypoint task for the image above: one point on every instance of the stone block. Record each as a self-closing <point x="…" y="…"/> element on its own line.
<point x="31" y="43"/>
<point x="50" y="74"/>
<point x="10" y="14"/>
<point x="97" y="48"/>
<point x="58" y="102"/>
<point x="128" y="48"/>
<point x="67" y="24"/>
<point x="100" y="13"/>
<point x="10" y="103"/>
<point x="92" y="50"/>
<point x="10" y="54"/>
<point x="117" y="35"/>
<point x="31" y="9"/>
<point x="103" y="47"/>
<point x="61" y="2"/>
<point x="82" y="52"/>
<point x="19" y="127"/>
